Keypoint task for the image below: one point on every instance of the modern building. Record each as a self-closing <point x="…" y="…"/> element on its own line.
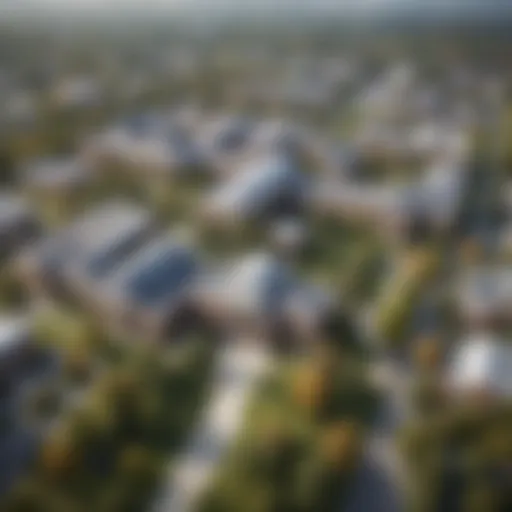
<point x="261" y="295"/>
<point x="78" y="257"/>
<point x="149" y="296"/>
<point x="267" y="187"/>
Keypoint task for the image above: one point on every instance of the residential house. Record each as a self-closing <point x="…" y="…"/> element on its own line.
<point x="344" y="161"/>
<point x="59" y="175"/>
<point x="149" y="295"/>
<point x="430" y="205"/>
<point x="58" y="185"/>
<point x="78" y="257"/>
<point x="268" y="187"/>
<point x="226" y="142"/>
<point x="289" y="236"/>
<point x="261" y="295"/>
<point x="277" y="135"/>
<point x="481" y="367"/>
<point x="18" y="224"/>
<point x="20" y="361"/>
<point x="382" y="205"/>
<point x="148" y="145"/>
<point x="388" y="98"/>
<point x="484" y="296"/>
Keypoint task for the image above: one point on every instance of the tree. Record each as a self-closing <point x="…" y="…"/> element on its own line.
<point x="311" y="388"/>
<point x="341" y="445"/>
<point x="29" y="495"/>
<point x="401" y="294"/>
<point x="78" y="364"/>
<point x="138" y="470"/>
<point x="276" y="451"/>
<point x="60" y="455"/>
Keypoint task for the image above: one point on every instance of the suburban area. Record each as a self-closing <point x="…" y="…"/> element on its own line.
<point x="255" y="266"/>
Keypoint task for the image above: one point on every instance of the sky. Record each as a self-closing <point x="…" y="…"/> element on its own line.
<point x="337" y="6"/>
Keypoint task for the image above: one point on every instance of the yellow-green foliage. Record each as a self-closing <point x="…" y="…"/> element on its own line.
<point x="301" y="441"/>
<point x="402" y="292"/>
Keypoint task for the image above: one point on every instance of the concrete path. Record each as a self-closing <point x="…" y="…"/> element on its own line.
<point x="240" y="366"/>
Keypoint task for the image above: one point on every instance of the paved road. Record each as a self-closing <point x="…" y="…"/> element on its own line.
<point x="239" y="368"/>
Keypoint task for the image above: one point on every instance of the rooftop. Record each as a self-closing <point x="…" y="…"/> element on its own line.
<point x="157" y="272"/>
<point x="482" y="362"/>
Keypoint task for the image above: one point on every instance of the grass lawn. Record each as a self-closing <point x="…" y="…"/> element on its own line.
<point x="301" y="440"/>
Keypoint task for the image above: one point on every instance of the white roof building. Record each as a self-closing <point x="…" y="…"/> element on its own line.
<point x="255" y="285"/>
<point x="482" y="363"/>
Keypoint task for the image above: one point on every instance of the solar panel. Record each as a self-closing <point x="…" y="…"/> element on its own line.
<point x="162" y="277"/>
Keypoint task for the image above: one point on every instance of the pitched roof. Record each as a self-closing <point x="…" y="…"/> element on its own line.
<point x="157" y="273"/>
<point x="256" y="284"/>
<point x="89" y="241"/>
<point x="259" y="182"/>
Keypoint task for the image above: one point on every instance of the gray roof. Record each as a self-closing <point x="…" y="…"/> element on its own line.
<point x="13" y="208"/>
<point x="256" y="284"/>
<point x="486" y="291"/>
<point x="95" y="235"/>
<point x="152" y="139"/>
<point x="227" y="131"/>
<point x="55" y="172"/>
<point x="159" y="272"/>
<point x="439" y="195"/>
<point x="258" y="184"/>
